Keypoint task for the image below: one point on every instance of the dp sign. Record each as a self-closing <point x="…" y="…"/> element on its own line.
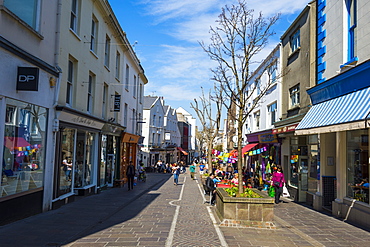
<point x="28" y="79"/>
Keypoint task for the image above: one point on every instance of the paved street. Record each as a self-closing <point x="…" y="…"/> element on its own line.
<point x="159" y="213"/>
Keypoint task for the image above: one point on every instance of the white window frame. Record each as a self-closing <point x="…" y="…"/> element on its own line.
<point x="107" y="51"/>
<point x="295" y="40"/>
<point x="94" y="35"/>
<point x="294" y="95"/>
<point x="29" y="13"/>
<point x="70" y="82"/>
<point x="118" y="65"/>
<point x="74" y="16"/>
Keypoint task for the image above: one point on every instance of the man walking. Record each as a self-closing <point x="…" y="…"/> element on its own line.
<point x="192" y="170"/>
<point x="130" y="173"/>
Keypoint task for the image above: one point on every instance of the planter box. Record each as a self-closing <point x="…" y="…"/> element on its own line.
<point x="245" y="212"/>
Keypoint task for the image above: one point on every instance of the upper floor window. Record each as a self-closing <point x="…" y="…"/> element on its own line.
<point x="134" y="86"/>
<point x="70" y="82"/>
<point x="294" y="96"/>
<point x="295" y="41"/>
<point x="272" y="112"/>
<point x="273" y="72"/>
<point x="127" y="76"/>
<point x="107" y="51"/>
<point x="118" y="65"/>
<point x="125" y="116"/>
<point x="140" y="92"/>
<point x="105" y="99"/>
<point x="74" y="16"/>
<point x="94" y="28"/>
<point x="90" y="93"/>
<point x="257" y="119"/>
<point x="352" y="31"/>
<point x="26" y="10"/>
<point x="154" y="118"/>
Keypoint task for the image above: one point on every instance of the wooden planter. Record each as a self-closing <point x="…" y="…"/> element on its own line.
<point x="245" y="212"/>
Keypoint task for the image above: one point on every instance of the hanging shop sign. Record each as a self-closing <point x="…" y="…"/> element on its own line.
<point x="117" y="103"/>
<point x="267" y="138"/>
<point x="285" y="129"/>
<point x="28" y="79"/>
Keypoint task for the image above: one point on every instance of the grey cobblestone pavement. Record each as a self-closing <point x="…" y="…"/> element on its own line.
<point x="158" y="213"/>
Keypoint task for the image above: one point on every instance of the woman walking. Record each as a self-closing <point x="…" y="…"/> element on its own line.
<point x="278" y="182"/>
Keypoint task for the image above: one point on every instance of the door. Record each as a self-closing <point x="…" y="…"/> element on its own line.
<point x="110" y="170"/>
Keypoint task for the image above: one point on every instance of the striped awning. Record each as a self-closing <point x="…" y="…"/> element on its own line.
<point x="345" y="109"/>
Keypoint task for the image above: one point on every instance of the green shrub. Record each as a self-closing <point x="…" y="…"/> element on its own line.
<point x="234" y="191"/>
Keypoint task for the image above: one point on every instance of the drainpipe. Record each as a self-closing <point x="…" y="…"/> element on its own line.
<point x="55" y="124"/>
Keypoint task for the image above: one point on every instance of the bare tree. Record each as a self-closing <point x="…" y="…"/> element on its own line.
<point x="238" y="38"/>
<point x="209" y="121"/>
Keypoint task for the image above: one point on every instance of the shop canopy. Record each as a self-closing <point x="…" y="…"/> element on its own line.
<point x="182" y="150"/>
<point x="13" y="142"/>
<point x="248" y="147"/>
<point x="347" y="108"/>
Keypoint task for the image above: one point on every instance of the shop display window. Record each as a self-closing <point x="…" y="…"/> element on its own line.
<point x="24" y="147"/>
<point x="83" y="174"/>
<point x="67" y="164"/>
<point x="357" y="165"/>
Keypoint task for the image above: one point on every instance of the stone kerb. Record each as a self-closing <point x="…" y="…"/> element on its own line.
<point x="245" y="212"/>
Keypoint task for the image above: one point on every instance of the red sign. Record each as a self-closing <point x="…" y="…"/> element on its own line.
<point x="284" y="129"/>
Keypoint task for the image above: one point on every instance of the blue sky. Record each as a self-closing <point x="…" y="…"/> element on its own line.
<point x="167" y="34"/>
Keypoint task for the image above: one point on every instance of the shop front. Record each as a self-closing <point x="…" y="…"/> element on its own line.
<point x="110" y="155"/>
<point x="23" y="159"/>
<point x="262" y="154"/>
<point x="295" y="160"/>
<point x="129" y="152"/>
<point x="77" y="156"/>
<point x="339" y="117"/>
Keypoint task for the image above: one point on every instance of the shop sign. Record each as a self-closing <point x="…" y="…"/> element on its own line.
<point x="285" y="129"/>
<point x="267" y="138"/>
<point x="117" y="103"/>
<point x="80" y="120"/>
<point x="28" y="79"/>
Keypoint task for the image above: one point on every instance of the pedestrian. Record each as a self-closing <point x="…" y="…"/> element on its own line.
<point x="201" y="168"/>
<point x="176" y="173"/>
<point x="211" y="188"/>
<point x="192" y="168"/>
<point x="278" y="182"/>
<point x="130" y="173"/>
<point x="229" y="171"/>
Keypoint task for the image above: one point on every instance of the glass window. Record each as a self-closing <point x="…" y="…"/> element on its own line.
<point x="26" y="10"/>
<point x="105" y="98"/>
<point x="67" y="166"/>
<point x="127" y="77"/>
<point x="107" y="51"/>
<point x="90" y="93"/>
<point x="134" y="87"/>
<point x="352" y="31"/>
<point x="257" y="119"/>
<point x="103" y="161"/>
<point x="74" y="16"/>
<point x="295" y="41"/>
<point x="294" y="96"/>
<point x="84" y="158"/>
<point x="272" y="110"/>
<point x="125" y="115"/>
<point x="357" y="165"/>
<point x="118" y="65"/>
<point x="93" y="43"/>
<point x="70" y="79"/>
<point x="24" y="152"/>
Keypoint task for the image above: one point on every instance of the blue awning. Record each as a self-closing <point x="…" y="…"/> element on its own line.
<point x="347" y="108"/>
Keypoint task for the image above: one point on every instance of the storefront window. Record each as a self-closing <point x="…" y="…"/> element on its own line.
<point x="84" y="158"/>
<point x="66" y="172"/>
<point x="357" y="165"/>
<point x="103" y="160"/>
<point x="24" y="153"/>
<point x="314" y="168"/>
